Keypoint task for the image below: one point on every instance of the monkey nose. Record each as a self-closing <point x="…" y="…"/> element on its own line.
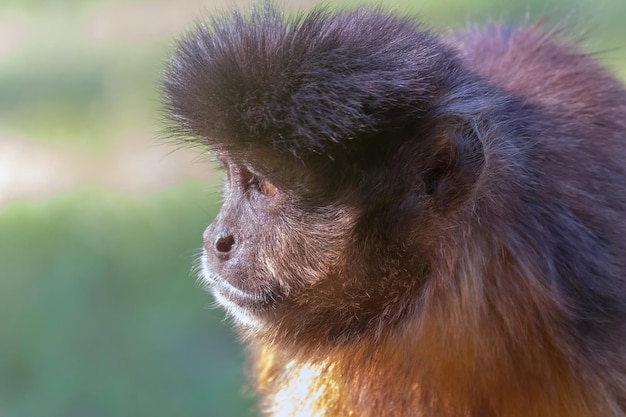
<point x="224" y="244"/>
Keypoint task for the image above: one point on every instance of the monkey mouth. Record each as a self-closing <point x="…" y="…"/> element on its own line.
<point x="248" y="300"/>
<point x="245" y="308"/>
<point x="231" y="297"/>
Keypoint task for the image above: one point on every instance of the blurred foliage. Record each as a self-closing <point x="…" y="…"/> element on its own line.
<point x="82" y="97"/>
<point x="101" y="315"/>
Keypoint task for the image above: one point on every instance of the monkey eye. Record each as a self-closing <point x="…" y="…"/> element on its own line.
<point x="266" y="188"/>
<point x="261" y="185"/>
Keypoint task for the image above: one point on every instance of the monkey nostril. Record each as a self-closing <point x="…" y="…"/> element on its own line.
<point x="224" y="244"/>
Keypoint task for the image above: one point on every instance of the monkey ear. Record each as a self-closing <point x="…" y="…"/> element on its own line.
<point x="458" y="165"/>
<point x="470" y="151"/>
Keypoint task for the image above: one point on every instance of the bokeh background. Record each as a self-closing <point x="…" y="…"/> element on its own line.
<point x="101" y="218"/>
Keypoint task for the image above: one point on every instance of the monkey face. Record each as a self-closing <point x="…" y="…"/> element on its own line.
<point x="265" y="248"/>
<point x="284" y="254"/>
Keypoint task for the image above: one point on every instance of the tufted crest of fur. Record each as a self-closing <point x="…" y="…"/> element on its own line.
<point x="299" y="83"/>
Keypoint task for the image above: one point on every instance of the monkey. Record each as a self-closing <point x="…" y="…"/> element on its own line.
<point x="413" y="223"/>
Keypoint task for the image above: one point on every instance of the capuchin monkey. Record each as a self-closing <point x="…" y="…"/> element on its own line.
<point x="413" y="224"/>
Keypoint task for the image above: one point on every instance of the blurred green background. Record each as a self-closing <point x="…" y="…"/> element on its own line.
<point x="100" y="220"/>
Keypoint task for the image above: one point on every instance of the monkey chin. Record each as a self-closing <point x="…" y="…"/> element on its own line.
<point x="245" y="308"/>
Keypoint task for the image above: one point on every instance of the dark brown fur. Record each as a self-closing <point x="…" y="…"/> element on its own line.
<point x="447" y="232"/>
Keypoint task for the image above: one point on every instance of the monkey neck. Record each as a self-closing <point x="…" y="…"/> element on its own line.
<point x="466" y="352"/>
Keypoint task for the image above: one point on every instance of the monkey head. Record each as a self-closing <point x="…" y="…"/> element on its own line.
<point x="340" y="159"/>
